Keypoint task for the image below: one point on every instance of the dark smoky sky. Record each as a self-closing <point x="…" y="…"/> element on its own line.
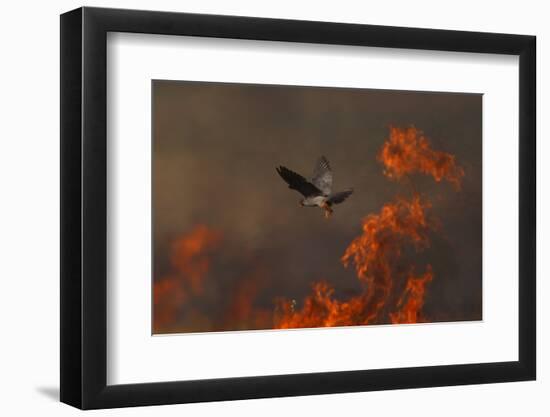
<point x="216" y="146"/>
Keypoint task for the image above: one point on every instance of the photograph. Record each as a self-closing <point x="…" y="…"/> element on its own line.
<point x="284" y="207"/>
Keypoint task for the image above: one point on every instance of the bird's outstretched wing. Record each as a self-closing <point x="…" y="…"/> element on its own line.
<point x="339" y="197"/>
<point x="322" y="176"/>
<point x="297" y="182"/>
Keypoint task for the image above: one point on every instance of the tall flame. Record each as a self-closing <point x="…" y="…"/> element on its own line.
<point x="375" y="254"/>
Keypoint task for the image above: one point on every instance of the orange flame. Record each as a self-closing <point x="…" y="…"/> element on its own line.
<point x="320" y="310"/>
<point x="375" y="255"/>
<point x="412" y="300"/>
<point x="241" y="313"/>
<point x="190" y="261"/>
<point x="190" y="255"/>
<point x="408" y="151"/>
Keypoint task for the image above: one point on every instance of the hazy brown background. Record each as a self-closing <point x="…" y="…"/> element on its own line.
<point x="216" y="147"/>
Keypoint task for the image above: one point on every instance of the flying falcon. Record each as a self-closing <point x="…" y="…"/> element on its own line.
<point x="318" y="191"/>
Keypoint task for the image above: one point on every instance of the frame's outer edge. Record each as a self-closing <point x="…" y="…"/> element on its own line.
<point x="528" y="207"/>
<point x="71" y="208"/>
<point x="84" y="208"/>
<point x="94" y="208"/>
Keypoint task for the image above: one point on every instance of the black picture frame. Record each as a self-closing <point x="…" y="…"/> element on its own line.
<point x="84" y="207"/>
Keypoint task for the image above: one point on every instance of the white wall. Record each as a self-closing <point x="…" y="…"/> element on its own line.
<point x="29" y="240"/>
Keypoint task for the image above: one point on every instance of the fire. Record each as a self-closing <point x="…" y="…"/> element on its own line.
<point x="241" y="313"/>
<point x="175" y="295"/>
<point x="320" y="310"/>
<point x="375" y="255"/>
<point x="407" y="151"/>
<point x="190" y="261"/>
<point x="412" y="300"/>
<point x="391" y="292"/>
<point x="190" y="255"/>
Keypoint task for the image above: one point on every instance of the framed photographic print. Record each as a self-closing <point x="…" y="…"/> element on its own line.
<point x="258" y="208"/>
